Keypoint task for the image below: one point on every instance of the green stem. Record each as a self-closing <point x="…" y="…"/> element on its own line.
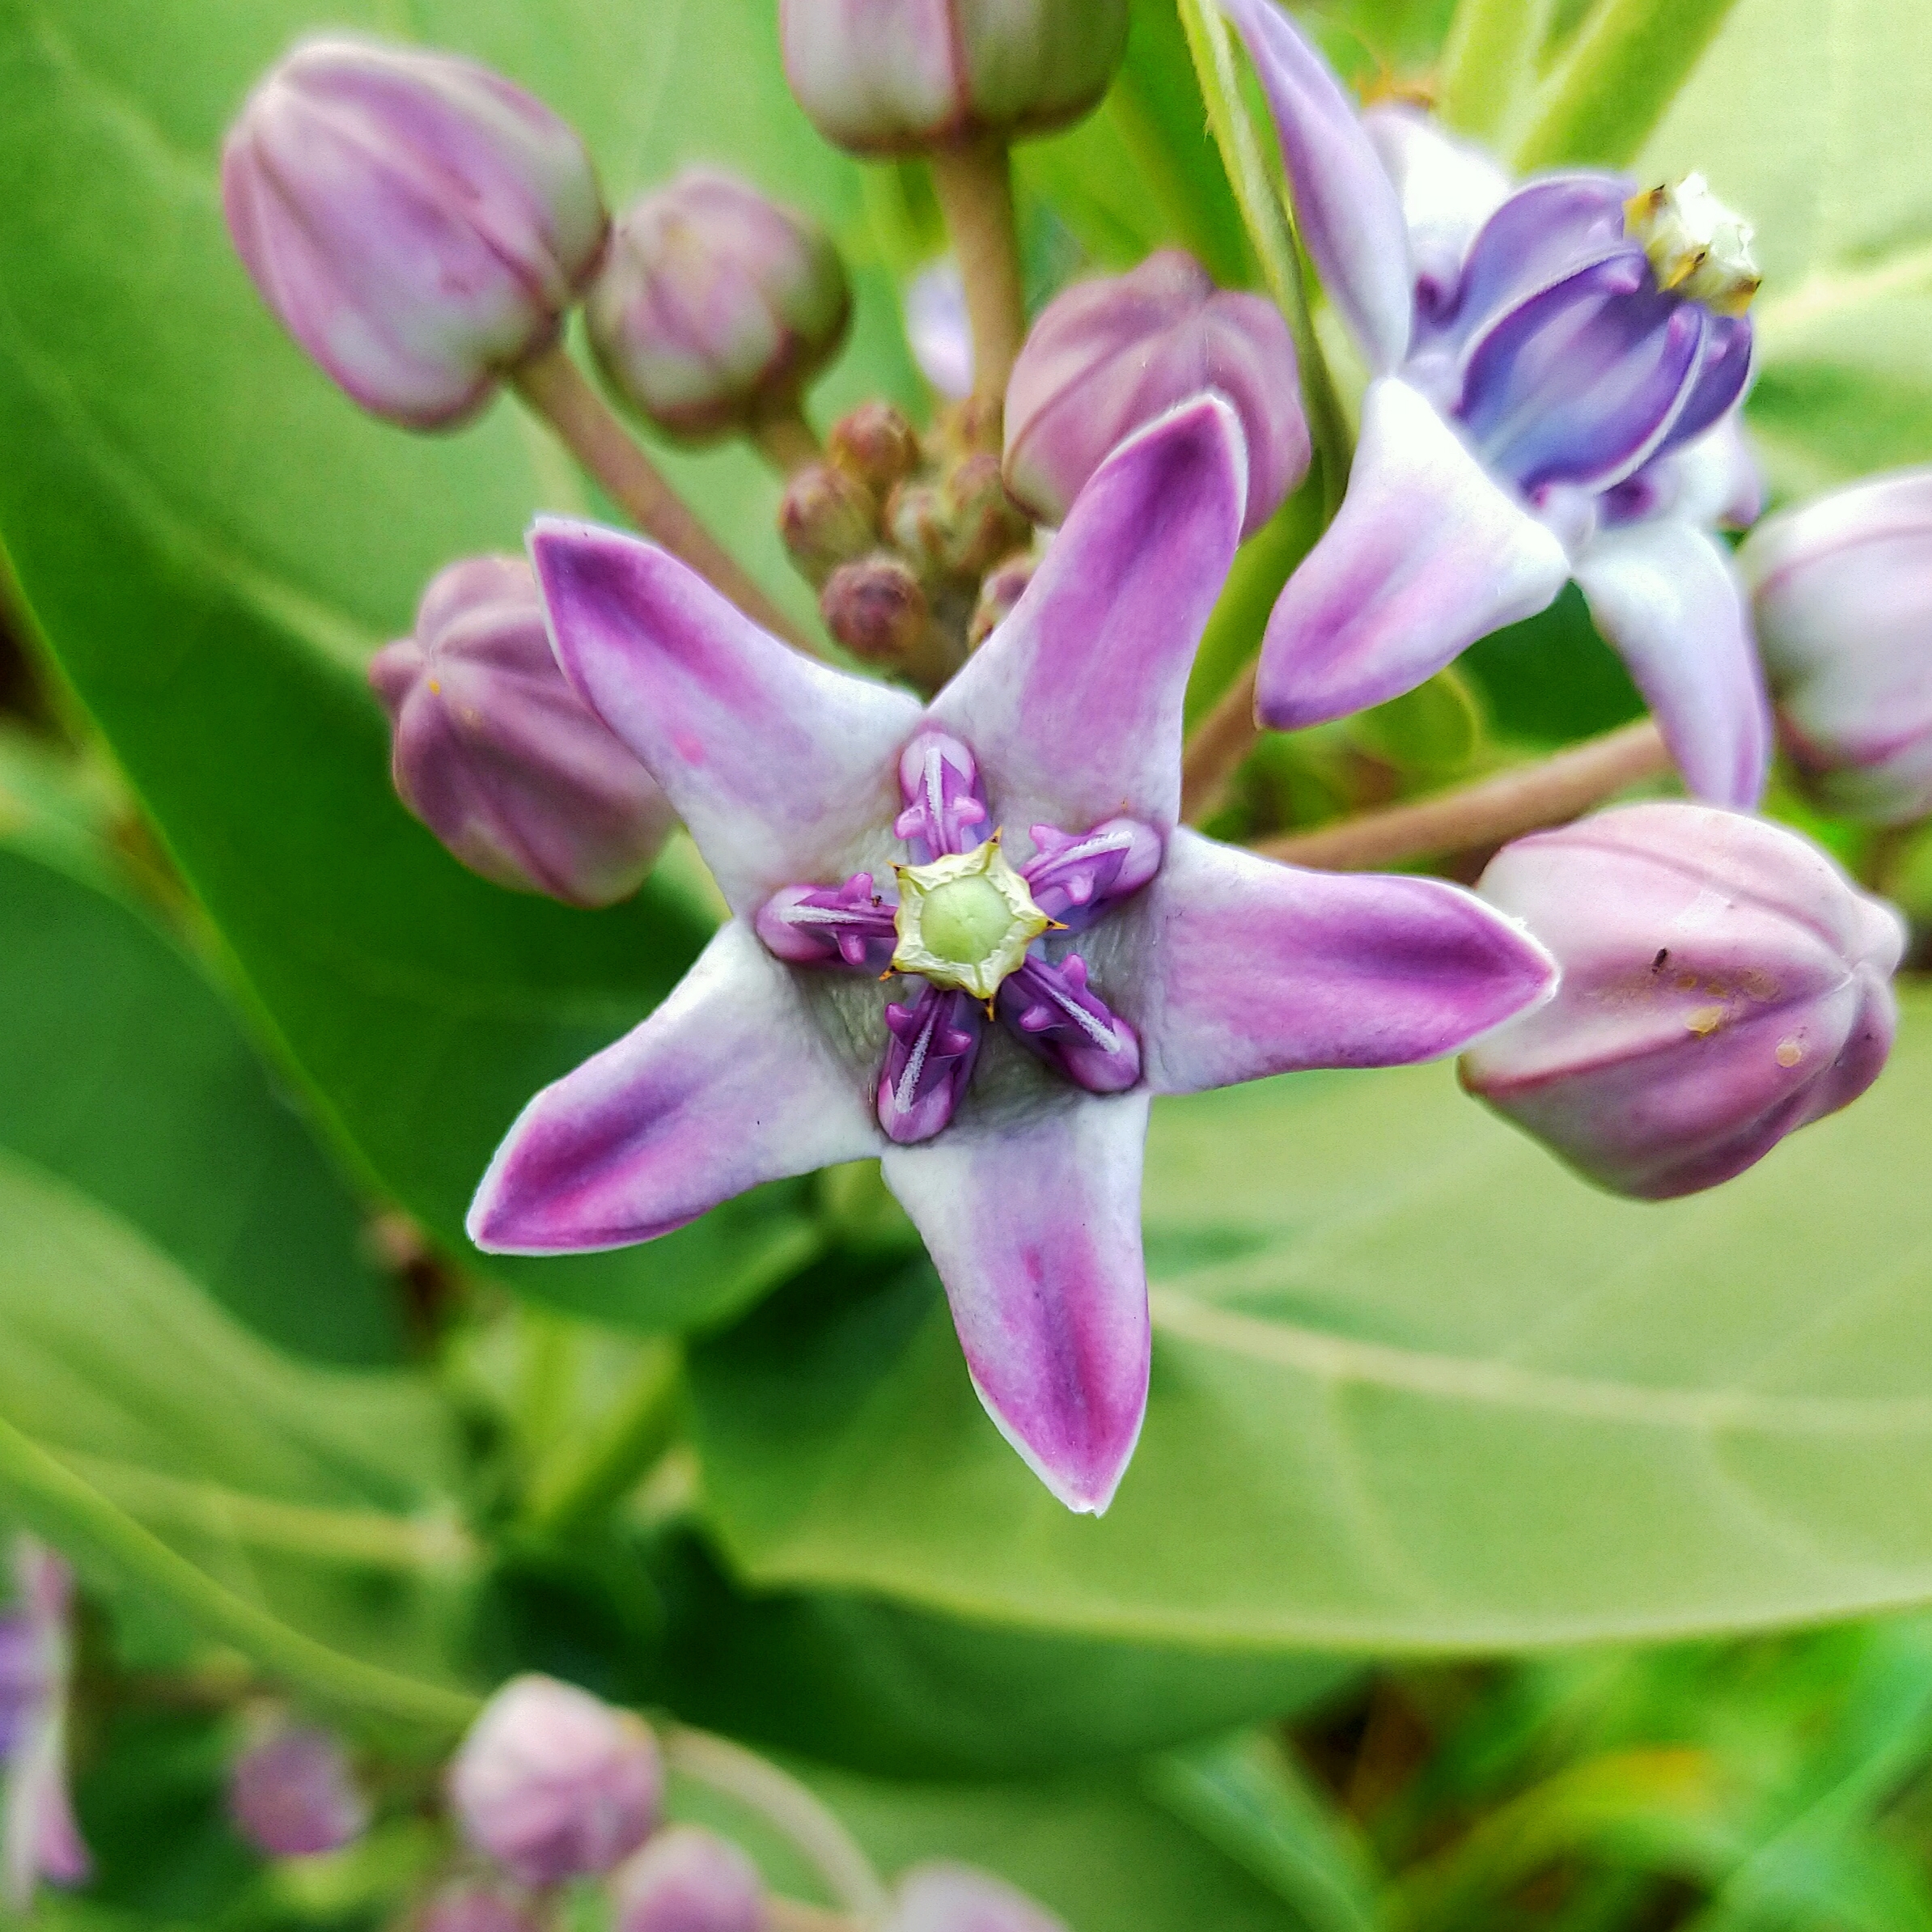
<point x="1490" y="63"/>
<point x="578" y="1489"/>
<point x="72" y="1514"/>
<point x="1628" y="59"/>
<point x="1270" y="231"/>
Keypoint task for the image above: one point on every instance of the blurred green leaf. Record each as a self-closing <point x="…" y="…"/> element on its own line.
<point x="1413" y="1386"/>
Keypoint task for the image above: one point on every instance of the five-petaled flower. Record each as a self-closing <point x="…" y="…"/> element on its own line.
<point x="1119" y="955"/>
<point x="1554" y="376"/>
<point x="38" y="1836"/>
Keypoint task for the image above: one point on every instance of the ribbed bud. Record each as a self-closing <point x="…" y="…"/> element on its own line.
<point x="876" y="608"/>
<point x="500" y="758"/>
<point x="874" y="445"/>
<point x="715" y="306"/>
<point x="1107" y="356"/>
<point x="979" y="522"/>
<point x="942" y="1897"/>
<point x="292" y="1795"/>
<point x="554" y="1784"/>
<point x="905" y="75"/>
<point x="1842" y="589"/>
<point x="1001" y="589"/>
<point x="826" y="518"/>
<point x="1723" y="983"/>
<point x="418" y="224"/>
<point x="687" y="1879"/>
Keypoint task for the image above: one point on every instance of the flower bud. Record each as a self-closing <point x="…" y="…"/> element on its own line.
<point x="554" y="1784"/>
<point x="1842" y="590"/>
<point x="826" y="518"/>
<point x="500" y="758"/>
<point x="1108" y="356"/>
<point x="874" y="445"/>
<point x="913" y="74"/>
<point x="978" y="522"/>
<point x="715" y="306"/>
<point x="470" y="1905"/>
<point x="1001" y="589"/>
<point x="915" y="525"/>
<point x="686" y="1880"/>
<point x="876" y="608"/>
<point x="291" y="1793"/>
<point x="942" y="1897"/>
<point x="1723" y="983"/>
<point x="418" y="224"/>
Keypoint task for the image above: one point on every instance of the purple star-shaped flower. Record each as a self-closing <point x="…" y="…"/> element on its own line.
<point x="1555" y="371"/>
<point x="38" y="1836"/>
<point x="1065" y="951"/>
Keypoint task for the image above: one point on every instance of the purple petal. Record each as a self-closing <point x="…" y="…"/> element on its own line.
<point x="1256" y="968"/>
<point x="732" y="1082"/>
<point x="1722" y="375"/>
<point x="1447" y="189"/>
<point x="1035" y="1227"/>
<point x="1077" y="877"/>
<point x="38" y="1839"/>
<point x="933" y="1044"/>
<point x="1055" y="1014"/>
<point x="23" y="1679"/>
<point x="1667" y="596"/>
<point x="1073" y="705"/>
<point x="784" y="770"/>
<point x="1427" y="555"/>
<point x="1345" y="205"/>
<point x="849" y="924"/>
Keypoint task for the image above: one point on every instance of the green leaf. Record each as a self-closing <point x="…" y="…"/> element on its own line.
<point x="1414" y="1387"/>
<point x="212" y="540"/>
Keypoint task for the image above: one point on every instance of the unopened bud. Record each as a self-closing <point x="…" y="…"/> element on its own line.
<point x="1723" y="983"/>
<point x="554" y="1784"/>
<point x="915" y="524"/>
<point x="418" y="224"/>
<point x="1842" y="591"/>
<point x="471" y="1905"/>
<point x="1696" y="244"/>
<point x="686" y="1880"/>
<point x="874" y="445"/>
<point x="500" y="758"/>
<point x="1109" y="356"/>
<point x="1001" y="589"/>
<point x="942" y="1897"/>
<point x="292" y="1795"/>
<point x="912" y="74"/>
<point x="826" y="518"/>
<point x="716" y="307"/>
<point x="978" y="522"/>
<point x="876" y="608"/>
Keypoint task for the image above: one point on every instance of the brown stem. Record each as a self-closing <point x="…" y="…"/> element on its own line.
<point x="1216" y="748"/>
<point x="974" y="182"/>
<point x="786" y="441"/>
<point x="553" y="386"/>
<point x="1500" y="808"/>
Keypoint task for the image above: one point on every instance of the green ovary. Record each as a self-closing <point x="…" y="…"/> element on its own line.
<point x="965" y="921"/>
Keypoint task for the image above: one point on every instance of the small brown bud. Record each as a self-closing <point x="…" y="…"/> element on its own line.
<point x="876" y="608"/>
<point x="875" y="444"/>
<point x="978" y="521"/>
<point x="826" y="518"/>
<point x="1005" y="584"/>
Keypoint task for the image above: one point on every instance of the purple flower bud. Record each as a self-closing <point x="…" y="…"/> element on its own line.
<point x="500" y="758"/>
<point x="1723" y="983"/>
<point x="899" y="76"/>
<point x="937" y="329"/>
<point x="1111" y="355"/>
<point x="942" y="1897"/>
<point x="469" y="1905"/>
<point x="1843" y="591"/>
<point x="715" y="306"/>
<point x="418" y="224"/>
<point x="874" y="445"/>
<point x="1000" y="590"/>
<point x="826" y="518"/>
<point x="686" y="1880"/>
<point x="876" y="608"/>
<point x="554" y="1784"/>
<point x="292" y="1795"/>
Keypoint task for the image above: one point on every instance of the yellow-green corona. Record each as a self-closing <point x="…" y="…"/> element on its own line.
<point x="965" y="920"/>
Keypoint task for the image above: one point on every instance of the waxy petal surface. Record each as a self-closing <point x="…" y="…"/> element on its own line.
<point x="783" y="768"/>
<point x="732" y="1082"/>
<point x="1073" y="706"/>
<point x="1667" y="596"/>
<point x="1034" y="1227"/>
<point x="1345" y="205"/>
<point x="1448" y="189"/>
<point x="1427" y="555"/>
<point x="1254" y="967"/>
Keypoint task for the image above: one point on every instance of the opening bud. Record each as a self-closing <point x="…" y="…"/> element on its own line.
<point x="874" y="445"/>
<point x="716" y="307"/>
<point x="1108" y="356"/>
<point x="418" y="224"/>
<point x="292" y="1795"/>
<point x="916" y="73"/>
<point x="826" y="518"/>
<point x="1696" y="244"/>
<point x="1723" y="983"/>
<point x="944" y="1897"/>
<point x="877" y="608"/>
<point x="686" y="1880"/>
<point x="500" y="758"/>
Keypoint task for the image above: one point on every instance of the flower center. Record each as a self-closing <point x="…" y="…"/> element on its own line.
<point x="1696" y="244"/>
<point x="965" y="920"/>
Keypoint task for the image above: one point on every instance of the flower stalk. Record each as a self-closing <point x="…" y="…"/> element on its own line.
<point x="973" y="181"/>
<point x="1490" y="63"/>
